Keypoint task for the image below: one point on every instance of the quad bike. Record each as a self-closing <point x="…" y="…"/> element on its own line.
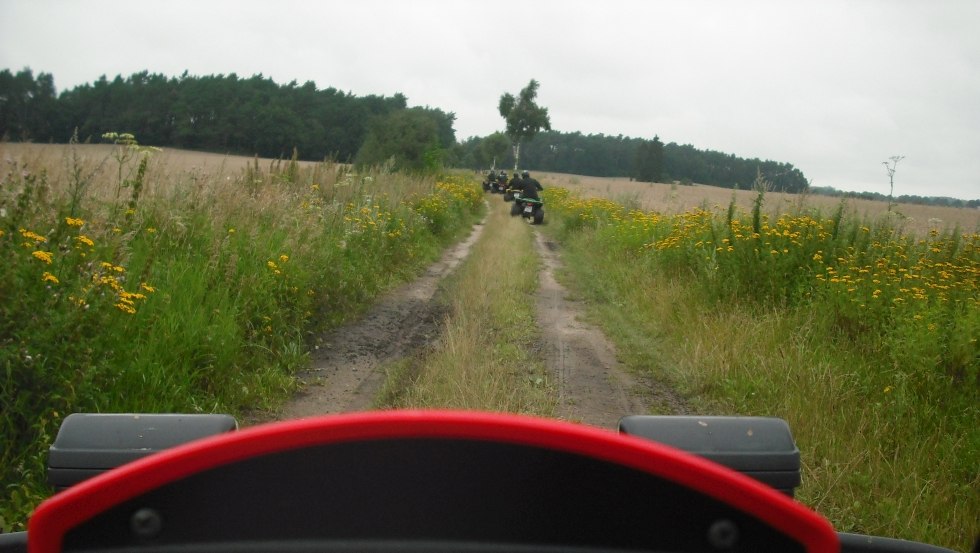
<point x="531" y="209"/>
<point x="415" y="481"/>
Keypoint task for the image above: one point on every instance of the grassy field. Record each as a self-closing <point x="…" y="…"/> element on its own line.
<point x="130" y="285"/>
<point x="863" y="337"/>
<point x="674" y="198"/>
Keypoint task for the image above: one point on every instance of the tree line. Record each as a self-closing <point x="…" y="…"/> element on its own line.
<point x="256" y="116"/>
<point x="227" y="114"/>
<point x="903" y="199"/>
<point x="642" y="159"/>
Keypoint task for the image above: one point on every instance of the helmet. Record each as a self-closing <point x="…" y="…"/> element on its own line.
<point x="525" y="173"/>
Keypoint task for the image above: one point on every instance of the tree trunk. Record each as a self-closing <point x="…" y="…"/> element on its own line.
<point x="517" y="155"/>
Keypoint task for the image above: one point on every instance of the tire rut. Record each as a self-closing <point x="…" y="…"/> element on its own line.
<point x="345" y="374"/>
<point x="593" y="387"/>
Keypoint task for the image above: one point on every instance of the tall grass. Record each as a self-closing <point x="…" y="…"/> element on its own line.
<point x="864" y="339"/>
<point x="127" y="288"/>
<point x="485" y="358"/>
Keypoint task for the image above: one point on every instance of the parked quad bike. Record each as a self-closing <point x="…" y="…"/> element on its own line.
<point x="415" y="481"/>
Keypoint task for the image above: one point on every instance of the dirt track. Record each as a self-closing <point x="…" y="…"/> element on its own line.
<point x="592" y="387"/>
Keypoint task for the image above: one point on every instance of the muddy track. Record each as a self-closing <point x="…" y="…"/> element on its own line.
<point x="592" y="387"/>
<point x="345" y="373"/>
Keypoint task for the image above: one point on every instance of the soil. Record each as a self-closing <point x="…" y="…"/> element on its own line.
<point x="345" y="373"/>
<point x="593" y="388"/>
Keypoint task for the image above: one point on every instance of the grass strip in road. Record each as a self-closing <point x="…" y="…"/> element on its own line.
<point x="486" y="356"/>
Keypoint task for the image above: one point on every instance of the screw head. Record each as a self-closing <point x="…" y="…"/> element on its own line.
<point x="723" y="534"/>
<point x="146" y="523"/>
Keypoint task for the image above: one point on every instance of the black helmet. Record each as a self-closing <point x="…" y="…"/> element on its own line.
<point x="525" y="173"/>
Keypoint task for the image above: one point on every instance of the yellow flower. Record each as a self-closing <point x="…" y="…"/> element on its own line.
<point x="231" y="231"/>
<point x="125" y="308"/>
<point x="32" y="236"/>
<point x="48" y="277"/>
<point x="151" y="230"/>
<point x="72" y="222"/>
<point x="888" y="389"/>
<point x="283" y="258"/>
<point x="148" y="288"/>
<point x="81" y="238"/>
<point x="43" y="256"/>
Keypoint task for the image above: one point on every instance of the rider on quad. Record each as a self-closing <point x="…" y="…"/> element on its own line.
<point x="529" y="186"/>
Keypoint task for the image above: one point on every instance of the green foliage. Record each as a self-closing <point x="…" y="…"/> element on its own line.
<point x="649" y="162"/>
<point x="410" y="138"/>
<point x="865" y="340"/>
<point x="197" y="298"/>
<point x="222" y="113"/>
<point x="617" y="156"/>
<point x="523" y="117"/>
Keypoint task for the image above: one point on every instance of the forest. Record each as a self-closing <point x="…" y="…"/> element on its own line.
<point x="255" y="116"/>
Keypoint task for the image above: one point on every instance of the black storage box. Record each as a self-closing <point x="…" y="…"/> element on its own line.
<point x="90" y="444"/>
<point x="760" y="447"/>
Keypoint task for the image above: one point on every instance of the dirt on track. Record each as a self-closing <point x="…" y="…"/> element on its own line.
<point x="345" y="375"/>
<point x="593" y="388"/>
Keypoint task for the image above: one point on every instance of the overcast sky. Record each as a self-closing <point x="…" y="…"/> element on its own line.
<point x="833" y="87"/>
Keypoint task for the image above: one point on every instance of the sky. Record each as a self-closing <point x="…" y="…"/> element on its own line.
<point x="834" y="87"/>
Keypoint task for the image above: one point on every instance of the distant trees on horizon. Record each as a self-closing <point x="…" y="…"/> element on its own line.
<point x="256" y="116"/>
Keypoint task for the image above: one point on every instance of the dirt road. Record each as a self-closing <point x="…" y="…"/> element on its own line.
<point x="592" y="386"/>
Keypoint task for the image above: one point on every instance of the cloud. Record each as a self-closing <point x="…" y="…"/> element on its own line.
<point x="833" y="87"/>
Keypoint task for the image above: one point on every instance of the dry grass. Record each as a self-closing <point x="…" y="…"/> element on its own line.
<point x="672" y="198"/>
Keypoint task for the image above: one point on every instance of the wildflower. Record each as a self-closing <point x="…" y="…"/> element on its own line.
<point x="43" y="256"/>
<point x="887" y="390"/>
<point x="126" y="308"/>
<point x="82" y="239"/>
<point x="151" y="230"/>
<point x="283" y="258"/>
<point x="48" y="277"/>
<point x="72" y="222"/>
<point x="37" y="238"/>
<point x="147" y="287"/>
<point x="231" y="231"/>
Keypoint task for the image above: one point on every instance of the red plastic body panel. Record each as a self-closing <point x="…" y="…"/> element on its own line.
<point x="59" y="514"/>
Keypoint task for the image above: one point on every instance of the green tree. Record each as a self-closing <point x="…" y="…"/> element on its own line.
<point x="523" y="116"/>
<point x="493" y="149"/>
<point x="407" y="137"/>
<point x="648" y="164"/>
